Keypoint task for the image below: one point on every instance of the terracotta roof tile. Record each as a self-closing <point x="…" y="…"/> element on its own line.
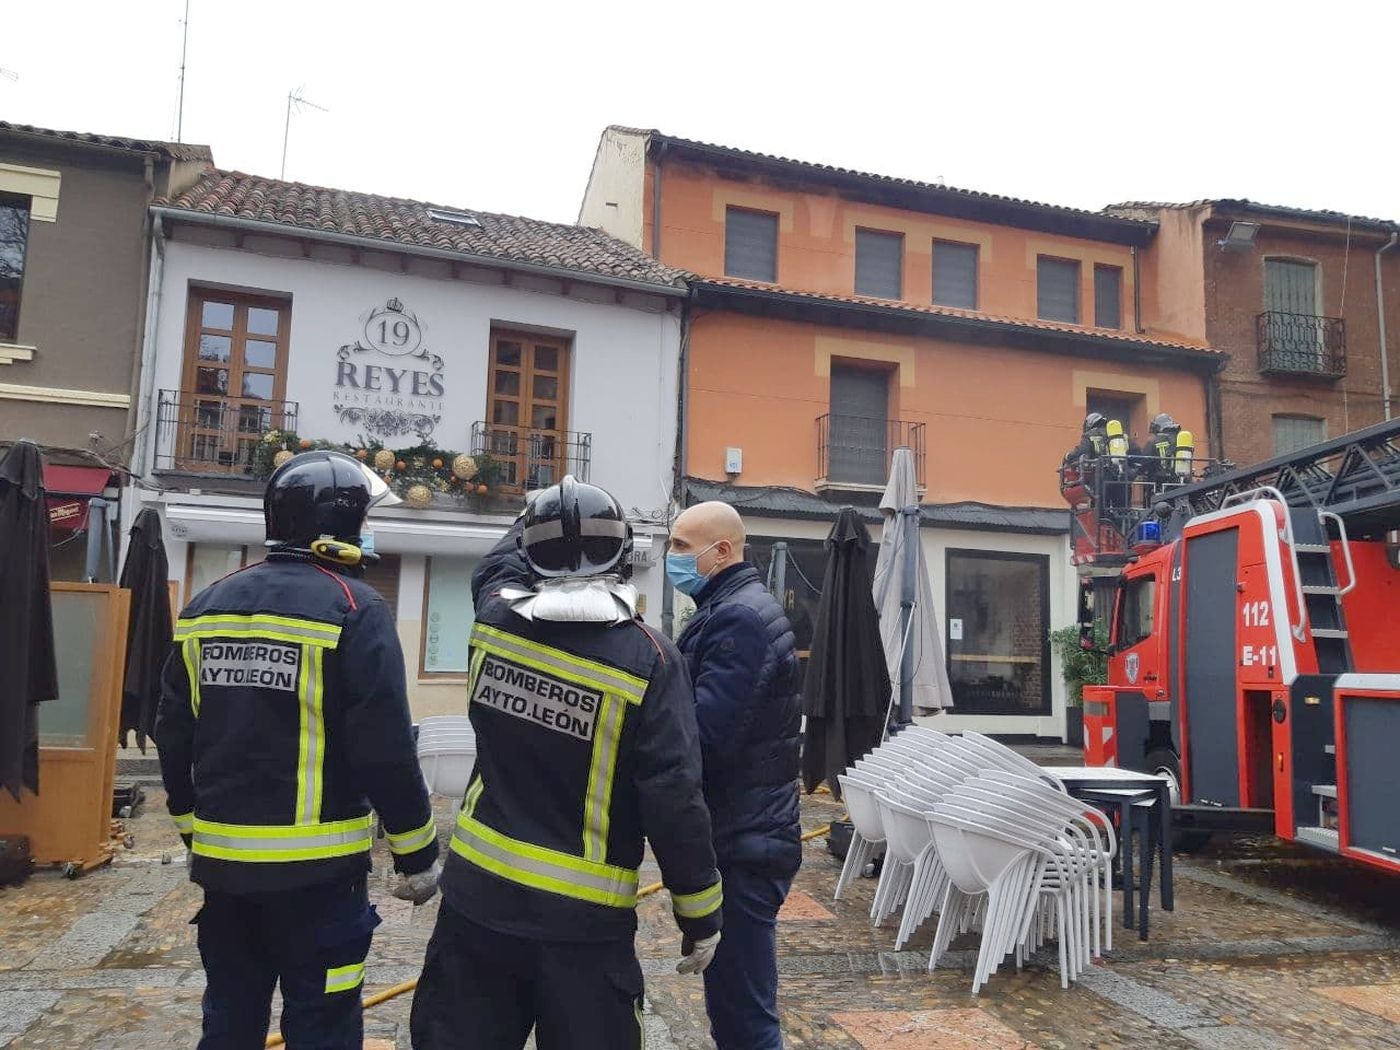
<point x="937" y="188"/>
<point x="395" y="220"/>
<point x="1326" y="215"/>
<point x="171" y="150"/>
<point x="948" y="311"/>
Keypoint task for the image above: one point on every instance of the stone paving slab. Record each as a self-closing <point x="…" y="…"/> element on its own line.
<point x="1253" y="957"/>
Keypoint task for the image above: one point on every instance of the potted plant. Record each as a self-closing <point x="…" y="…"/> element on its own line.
<point x="1080" y="667"/>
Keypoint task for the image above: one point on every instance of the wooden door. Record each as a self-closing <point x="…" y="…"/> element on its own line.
<point x="527" y="409"/>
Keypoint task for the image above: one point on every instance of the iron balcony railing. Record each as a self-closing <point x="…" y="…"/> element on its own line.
<point x="526" y="458"/>
<point x="1301" y="344"/>
<point x="214" y="434"/>
<point x="855" y="450"/>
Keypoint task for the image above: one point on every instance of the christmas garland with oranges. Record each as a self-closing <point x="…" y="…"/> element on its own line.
<point x="416" y="474"/>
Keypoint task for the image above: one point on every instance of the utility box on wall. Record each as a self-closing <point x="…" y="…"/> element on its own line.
<point x="733" y="461"/>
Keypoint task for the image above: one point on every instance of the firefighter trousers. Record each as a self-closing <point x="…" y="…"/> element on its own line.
<point x="313" y="940"/>
<point x="741" y="985"/>
<point x="484" y="990"/>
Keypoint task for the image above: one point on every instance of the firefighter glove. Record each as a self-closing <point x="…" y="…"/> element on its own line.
<point x="697" y="954"/>
<point x="418" y="888"/>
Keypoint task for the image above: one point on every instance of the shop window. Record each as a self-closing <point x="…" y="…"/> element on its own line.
<point x="998" y="611"/>
<point x="448" y="615"/>
<point x="383" y="576"/>
<point x="804" y="567"/>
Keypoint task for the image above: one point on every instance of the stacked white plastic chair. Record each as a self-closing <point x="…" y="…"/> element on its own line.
<point x="1028" y="862"/>
<point x="447" y="754"/>
<point x="977" y="832"/>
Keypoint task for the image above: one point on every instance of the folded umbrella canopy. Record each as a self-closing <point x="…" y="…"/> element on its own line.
<point x="901" y="570"/>
<point x="149" y="632"/>
<point x="847" y="690"/>
<point x="26" y="616"/>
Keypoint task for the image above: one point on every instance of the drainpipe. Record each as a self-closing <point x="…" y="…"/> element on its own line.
<point x="1214" y="424"/>
<point x="155" y="280"/>
<point x="1380" y="319"/>
<point x="668" y="593"/>
<point x="134" y="385"/>
<point x="656" y="205"/>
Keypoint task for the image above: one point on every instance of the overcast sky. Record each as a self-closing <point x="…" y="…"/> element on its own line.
<point x="499" y="106"/>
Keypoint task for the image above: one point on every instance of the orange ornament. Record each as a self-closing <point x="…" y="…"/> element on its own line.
<point x="482" y="490"/>
<point x="400" y="465"/>
<point x="437" y="464"/>
<point x="305" y="443"/>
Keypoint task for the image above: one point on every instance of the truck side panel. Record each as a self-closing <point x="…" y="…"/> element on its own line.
<point x="1372" y="608"/>
<point x="1368" y="776"/>
<point x="1212" y="731"/>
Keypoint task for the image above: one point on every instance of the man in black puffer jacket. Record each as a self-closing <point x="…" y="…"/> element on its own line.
<point x="743" y="663"/>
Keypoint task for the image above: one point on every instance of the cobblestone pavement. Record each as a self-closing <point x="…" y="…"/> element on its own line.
<point x="1269" y="946"/>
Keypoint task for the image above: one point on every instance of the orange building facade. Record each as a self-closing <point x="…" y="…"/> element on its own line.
<point x="836" y="315"/>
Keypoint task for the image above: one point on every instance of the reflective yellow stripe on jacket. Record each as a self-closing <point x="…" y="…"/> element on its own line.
<point x="543" y="869"/>
<point x="261" y="626"/>
<point x="698" y="905"/>
<point x="411" y="841"/>
<point x="589" y="876"/>
<point x="261" y="844"/>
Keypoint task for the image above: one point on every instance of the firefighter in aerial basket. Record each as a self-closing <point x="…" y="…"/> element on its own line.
<point x="283" y="718"/>
<point x="586" y="743"/>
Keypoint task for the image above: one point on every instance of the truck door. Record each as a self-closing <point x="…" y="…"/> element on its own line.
<point x="1136" y="669"/>
<point x="1212" y="731"/>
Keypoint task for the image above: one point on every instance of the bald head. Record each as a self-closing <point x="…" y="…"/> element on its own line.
<point x="713" y="532"/>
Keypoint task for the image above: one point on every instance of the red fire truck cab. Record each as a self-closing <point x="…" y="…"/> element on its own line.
<point x="1254" y="654"/>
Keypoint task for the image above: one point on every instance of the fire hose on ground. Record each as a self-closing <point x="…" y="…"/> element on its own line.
<point x="384" y="995"/>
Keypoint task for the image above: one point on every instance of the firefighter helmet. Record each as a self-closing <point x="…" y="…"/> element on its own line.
<point x="318" y="495"/>
<point x="576" y="529"/>
<point x="1095" y="421"/>
<point x="1163" y="423"/>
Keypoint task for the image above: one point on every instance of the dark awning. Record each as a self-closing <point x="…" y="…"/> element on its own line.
<point x="68" y="490"/>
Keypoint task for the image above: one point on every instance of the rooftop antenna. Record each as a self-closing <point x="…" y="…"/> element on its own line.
<point x="294" y="99"/>
<point x="184" y="50"/>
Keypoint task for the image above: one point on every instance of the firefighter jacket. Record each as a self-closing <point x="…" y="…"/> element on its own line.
<point x="586" y="742"/>
<point x="283" y="718"/>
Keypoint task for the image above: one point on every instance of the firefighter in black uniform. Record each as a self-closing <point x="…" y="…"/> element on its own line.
<point x="283" y="717"/>
<point x="1161" y="447"/>
<point x="586" y="742"/>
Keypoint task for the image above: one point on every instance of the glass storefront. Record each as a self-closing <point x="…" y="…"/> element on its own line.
<point x="998" y="619"/>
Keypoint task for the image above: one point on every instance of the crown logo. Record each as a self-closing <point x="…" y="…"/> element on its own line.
<point x="394" y="306"/>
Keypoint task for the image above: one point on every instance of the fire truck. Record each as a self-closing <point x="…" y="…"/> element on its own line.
<point x="1253" y="624"/>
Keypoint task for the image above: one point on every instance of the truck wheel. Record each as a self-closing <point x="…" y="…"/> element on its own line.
<point x="1164" y="762"/>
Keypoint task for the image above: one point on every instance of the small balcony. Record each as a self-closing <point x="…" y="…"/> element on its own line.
<point x="532" y="459"/>
<point x="1301" y="344"/>
<point x="853" y="452"/>
<point x="213" y="434"/>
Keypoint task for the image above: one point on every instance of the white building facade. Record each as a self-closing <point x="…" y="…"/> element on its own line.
<point x="473" y="356"/>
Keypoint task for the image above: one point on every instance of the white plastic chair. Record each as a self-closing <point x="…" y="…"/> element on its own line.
<point x="447" y="754"/>
<point x="987" y="872"/>
<point x="868" y="831"/>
